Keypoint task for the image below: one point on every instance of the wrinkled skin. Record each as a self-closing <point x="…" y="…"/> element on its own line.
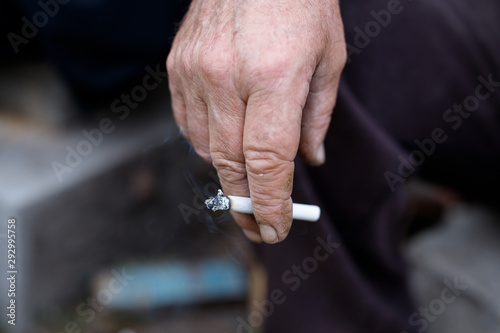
<point x="253" y="84"/>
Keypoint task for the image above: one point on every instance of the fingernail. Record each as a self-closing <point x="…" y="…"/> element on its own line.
<point x="268" y="234"/>
<point x="319" y="157"/>
<point x="253" y="236"/>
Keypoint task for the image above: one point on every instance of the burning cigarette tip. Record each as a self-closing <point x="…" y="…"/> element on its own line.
<point x="218" y="202"/>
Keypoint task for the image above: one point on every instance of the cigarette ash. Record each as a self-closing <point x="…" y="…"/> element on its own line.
<point x="219" y="202"/>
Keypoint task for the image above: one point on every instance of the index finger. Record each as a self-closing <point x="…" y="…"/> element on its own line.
<point x="226" y="122"/>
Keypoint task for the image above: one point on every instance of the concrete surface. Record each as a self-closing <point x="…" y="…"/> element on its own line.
<point x="455" y="273"/>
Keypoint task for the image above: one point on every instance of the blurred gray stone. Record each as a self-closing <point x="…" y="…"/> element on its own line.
<point x="464" y="249"/>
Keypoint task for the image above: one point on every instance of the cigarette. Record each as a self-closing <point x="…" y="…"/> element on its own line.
<point x="233" y="203"/>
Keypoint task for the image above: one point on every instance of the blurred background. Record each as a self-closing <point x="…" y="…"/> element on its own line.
<point x="111" y="232"/>
<point x="132" y="204"/>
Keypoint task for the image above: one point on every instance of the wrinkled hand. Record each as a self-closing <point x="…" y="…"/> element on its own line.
<point x="253" y="83"/>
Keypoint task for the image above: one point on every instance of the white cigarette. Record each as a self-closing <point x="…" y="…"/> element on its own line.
<point x="302" y="212"/>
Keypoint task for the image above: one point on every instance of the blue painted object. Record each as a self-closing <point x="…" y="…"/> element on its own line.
<point x="178" y="283"/>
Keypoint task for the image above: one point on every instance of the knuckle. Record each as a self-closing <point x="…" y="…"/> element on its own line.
<point x="338" y="55"/>
<point x="170" y="63"/>
<point x="271" y="71"/>
<point x="229" y="170"/>
<point x="263" y="162"/>
<point x="215" y="65"/>
<point x="342" y="57"/>
<point x="272" y="67"/>
<point x="179" y="62"/>
<point x="187" y="62"/>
